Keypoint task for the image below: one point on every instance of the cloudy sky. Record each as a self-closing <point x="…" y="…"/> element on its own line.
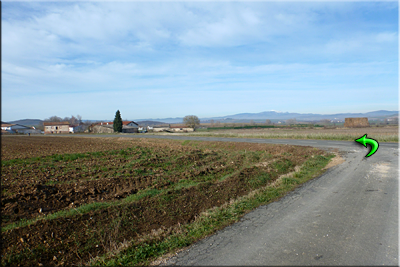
<point x="171" y="59"/>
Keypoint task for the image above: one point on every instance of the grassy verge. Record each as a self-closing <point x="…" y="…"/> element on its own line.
<point x="150" y="247"/>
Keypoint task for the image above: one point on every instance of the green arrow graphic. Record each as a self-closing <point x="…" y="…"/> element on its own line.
<point x="372" y="142"/>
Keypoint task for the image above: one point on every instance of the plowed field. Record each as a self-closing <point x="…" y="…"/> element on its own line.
<point x="66" y="200"/>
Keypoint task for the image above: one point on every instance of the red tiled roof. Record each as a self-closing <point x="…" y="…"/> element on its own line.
<point x="55" y="123"/>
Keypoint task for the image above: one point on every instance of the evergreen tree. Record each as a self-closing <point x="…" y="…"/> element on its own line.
<point x="117" y="122"/>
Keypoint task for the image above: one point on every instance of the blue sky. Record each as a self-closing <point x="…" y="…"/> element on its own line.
<point x="171" y="59"/>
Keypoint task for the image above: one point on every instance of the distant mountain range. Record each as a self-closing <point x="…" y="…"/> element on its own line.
<point x="148" y="123"/>
<point x="276" y="115"/>
<point x="27" y="122"/>
<point x="243" y="117"/>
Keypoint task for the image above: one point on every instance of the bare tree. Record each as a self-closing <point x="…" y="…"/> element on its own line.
<point x="79" y="118"/>
<point x="72" y="120"/>
<point x="252" y="122"/>
<point x="212" y="122"/>
<point x="53" y="119"/>
<point x="191" y="121"/>
<point x="267" y="122"/>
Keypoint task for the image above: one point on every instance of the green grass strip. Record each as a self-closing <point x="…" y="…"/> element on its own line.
<point x="68" y="157"/>
<point x="84" y="209"/>
<point x="145" y="252"/>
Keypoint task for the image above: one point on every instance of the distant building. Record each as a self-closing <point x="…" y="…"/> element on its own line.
<point x="56" y="127"/>
<point x="108" y="127"/>
<point x="393" y="120"/>
<point x="181" y="128"/>
<point x="99" y="128"/>
<point x="161" y="129"/>
<point x="17" y="128"/>
<point x="6" y="126"/>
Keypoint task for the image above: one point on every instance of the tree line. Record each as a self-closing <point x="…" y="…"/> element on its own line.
<point x="72" y="119"/>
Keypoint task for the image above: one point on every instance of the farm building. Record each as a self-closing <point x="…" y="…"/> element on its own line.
<point x="181" y="128"/>
<point x="356" y="122"/>
<point x="161" y="129"/>
<point x="130" y="129"/>
<point x="17" y="128"/>
<point x="108" y="127"/>
<point x="102" y="128"/>
<point x="56" y="127"/>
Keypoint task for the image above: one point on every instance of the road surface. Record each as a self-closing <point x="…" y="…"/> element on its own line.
<point x="348" y="216"/>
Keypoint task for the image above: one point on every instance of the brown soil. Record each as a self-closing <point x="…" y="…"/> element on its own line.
<point x="31" y="188"/>
<point x="22" y="147"/>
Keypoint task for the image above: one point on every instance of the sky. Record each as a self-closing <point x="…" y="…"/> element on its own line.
<point x="171" y="59"/>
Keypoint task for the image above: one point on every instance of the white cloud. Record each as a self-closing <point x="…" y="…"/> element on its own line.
<point x="191" y="50"/>
<point x="387" y="37"/>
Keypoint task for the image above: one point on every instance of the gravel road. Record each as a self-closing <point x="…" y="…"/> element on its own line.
<point x="348" y="216"/>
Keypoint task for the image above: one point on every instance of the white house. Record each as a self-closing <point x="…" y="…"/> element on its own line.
<point x="6" y="126"/>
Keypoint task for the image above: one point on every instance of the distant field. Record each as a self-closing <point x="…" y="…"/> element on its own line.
<point x="382" y="134"/>
<point x="71" y="200"/>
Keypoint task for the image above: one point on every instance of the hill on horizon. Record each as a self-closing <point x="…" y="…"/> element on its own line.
<point x="146" y="123"/>
<point x="241" y="117"/>
<point x="274" y="115"/>
<point x="27" y="122"/>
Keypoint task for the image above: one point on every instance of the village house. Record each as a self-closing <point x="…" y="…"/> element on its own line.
<point x="6" y="127"/>
<point x="17" y="128"/>
<point x="56" y="127"/>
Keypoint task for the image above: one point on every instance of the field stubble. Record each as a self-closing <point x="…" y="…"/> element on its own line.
<point x="70" y="200"/>
<point x="382" y="134"/>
